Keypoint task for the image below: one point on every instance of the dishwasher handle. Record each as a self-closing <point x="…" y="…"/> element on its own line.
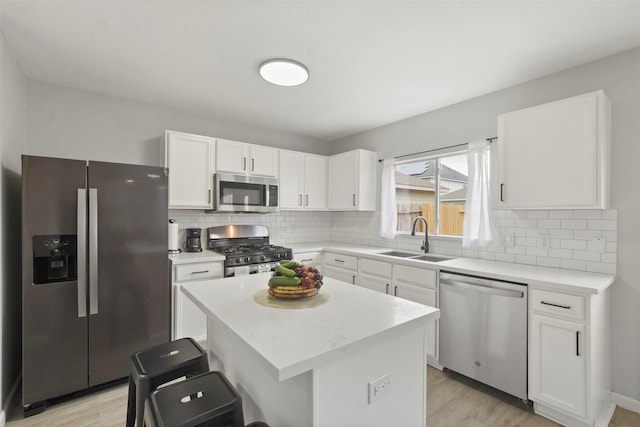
<point x="483" y="288"/>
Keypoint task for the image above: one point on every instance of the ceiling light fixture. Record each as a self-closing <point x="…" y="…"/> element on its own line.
<point x="284" y="72"/>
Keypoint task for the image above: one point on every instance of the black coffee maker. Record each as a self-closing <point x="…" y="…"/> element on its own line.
<point x="193" y="240"/>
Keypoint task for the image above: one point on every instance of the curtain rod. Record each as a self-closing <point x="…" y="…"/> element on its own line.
<point x="490" y="140"/>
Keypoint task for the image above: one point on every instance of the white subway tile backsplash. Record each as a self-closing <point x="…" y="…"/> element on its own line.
<point x="548" y="223"/>
<point x="573" y="224"/>
<point x="548" y="262"/>
<point x="587" y="214"/>
<point x="562" y="233"/>
<point x="597" y="267"/>
<point x="601" y="224"/>
<point x="561" y="214"/>
<point x="537" y="214"/>
<point x="561" y="253"/>
<point x="573" y="264"/>
<point x="587" y="256"/>
<point x="586" y="234"/>
<point x="573" y="244"/>
<point x="570" y="233"/>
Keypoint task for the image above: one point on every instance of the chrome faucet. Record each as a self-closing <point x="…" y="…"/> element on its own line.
<point x="425" y="244"/>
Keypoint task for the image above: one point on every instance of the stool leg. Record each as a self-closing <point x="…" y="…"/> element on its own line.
<point x="131" y="403"/>
<point x="142" y="392"/>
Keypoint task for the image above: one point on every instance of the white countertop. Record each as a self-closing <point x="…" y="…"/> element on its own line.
<point x="192" y="257"/>
<point x="541" y="277"/>
<point x="293" y="341"/>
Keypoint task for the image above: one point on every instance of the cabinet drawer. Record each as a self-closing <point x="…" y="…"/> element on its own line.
<point x="415" y="276"/>
<point x="198" y="271"/>
<point x="565" y="305"/>
<point x="375" y="268"/>
<point x="342" y="261"/>
<point x="309" y="258"/>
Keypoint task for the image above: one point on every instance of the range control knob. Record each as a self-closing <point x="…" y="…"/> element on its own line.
<point x="237" y="260"/>
<point x="248" y="259"/>
<point x="262" y="257"/>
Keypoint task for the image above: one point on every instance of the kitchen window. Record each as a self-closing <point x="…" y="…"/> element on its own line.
<point x="435" y="188"/>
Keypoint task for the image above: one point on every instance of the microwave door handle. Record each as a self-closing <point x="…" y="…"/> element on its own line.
<point x="82" y="251"/>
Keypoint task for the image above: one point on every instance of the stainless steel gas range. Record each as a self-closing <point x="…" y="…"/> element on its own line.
<point x="246" y="248"/>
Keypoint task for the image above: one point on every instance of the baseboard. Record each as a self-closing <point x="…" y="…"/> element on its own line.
<point x="626" y="402"/>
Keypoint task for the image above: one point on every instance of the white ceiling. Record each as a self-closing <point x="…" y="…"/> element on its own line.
<point x="371" y="62"/>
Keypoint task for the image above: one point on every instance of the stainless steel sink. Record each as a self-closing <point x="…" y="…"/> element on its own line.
<point x="432" y="258"/>
<point x="399" y="254"/>
<point x="410" y="255"/>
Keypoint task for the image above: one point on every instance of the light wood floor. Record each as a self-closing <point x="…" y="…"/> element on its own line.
<point x="452" y="400"/>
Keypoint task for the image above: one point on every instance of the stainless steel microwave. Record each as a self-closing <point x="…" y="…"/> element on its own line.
<point x="243" y="193"/>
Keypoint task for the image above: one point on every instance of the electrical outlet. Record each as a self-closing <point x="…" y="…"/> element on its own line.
<point x="544" y="241"/>
<point x="379" y="387"/>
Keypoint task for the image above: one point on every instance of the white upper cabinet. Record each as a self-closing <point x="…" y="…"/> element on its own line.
<point x="556" y="155"/>
<point x="190" y="160"/>
<point x="352" y="181"/>
<point x="242" y="158"/>
<point x="303" y="181"/>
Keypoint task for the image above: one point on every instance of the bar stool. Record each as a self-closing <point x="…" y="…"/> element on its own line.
<point x="157" y="365"/>
<point x="204" y="400"/>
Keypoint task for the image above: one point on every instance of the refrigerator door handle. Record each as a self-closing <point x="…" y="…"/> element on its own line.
<point x="82" y="252"/>
<point x="93" y="251"/>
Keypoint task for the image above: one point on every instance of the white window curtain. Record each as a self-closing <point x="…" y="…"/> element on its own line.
<point x="477" y="228"/>
<point x="388" y="209"/>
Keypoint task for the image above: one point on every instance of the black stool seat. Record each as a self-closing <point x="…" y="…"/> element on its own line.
<point x="157" y="365"/>
<point x="204" y="400"/>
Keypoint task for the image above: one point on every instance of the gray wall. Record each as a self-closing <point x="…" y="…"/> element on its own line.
<point x="13" y="120"/>
<point x="78" y="124"/>
<point x="619" y="76"/>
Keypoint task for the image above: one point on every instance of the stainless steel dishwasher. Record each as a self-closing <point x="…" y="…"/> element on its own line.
<point x="483" y="330"/>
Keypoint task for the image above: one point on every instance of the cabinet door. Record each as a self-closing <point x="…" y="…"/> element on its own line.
<point x="188" y="319"/>
<point x="231" y="156"/>
<point x="343" y="183"/>
<point x="557" y="375"/>
<point x="348" y="276"/>
<point x="379" y="284"/>
<point x="291" y="180"/>
<point x="549" y="155"/>
<point x="263" y="161"/>
<point x="426" y="297"/>
<point x="190" y="162"/>
<point x="315" y="182"/>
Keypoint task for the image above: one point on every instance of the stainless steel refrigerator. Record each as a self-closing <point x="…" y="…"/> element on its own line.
<point x="95" y="272"/>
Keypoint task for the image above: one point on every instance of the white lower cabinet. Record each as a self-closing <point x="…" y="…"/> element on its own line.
<point x="558" y="364"/>
<point x="414" y="284"/>
<point x="187" y="319"/>
<point x="419" y="285"/>
<point x="375" y="275"/>
<point x="341" y="274"/>
<point x="380" y="284"/>
<point x="340" y="267"/>
<point x="569" y="373"/>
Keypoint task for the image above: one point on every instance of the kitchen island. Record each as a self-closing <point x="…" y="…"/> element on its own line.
<point x="350" y="357"/>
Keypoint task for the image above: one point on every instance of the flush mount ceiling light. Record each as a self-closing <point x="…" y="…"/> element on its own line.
<point x="284" y="72"/>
